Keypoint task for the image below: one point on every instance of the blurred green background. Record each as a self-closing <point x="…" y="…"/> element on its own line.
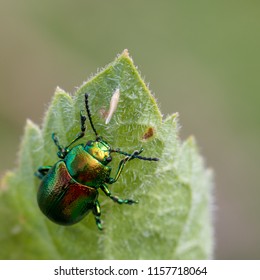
<point x="202" y="59"/>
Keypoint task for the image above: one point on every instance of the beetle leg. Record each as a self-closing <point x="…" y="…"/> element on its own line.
<point x="122" y="165"/>
<point x="42" y="171"/>
<point x="82" y="132"/>
<point x="97" y="213"/>
<point x="64" y="151"/>
<point x="107" y="192"/>
<point x="56" y="141"/>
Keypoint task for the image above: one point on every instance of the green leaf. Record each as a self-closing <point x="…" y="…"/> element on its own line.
<point x="173" y="217"/>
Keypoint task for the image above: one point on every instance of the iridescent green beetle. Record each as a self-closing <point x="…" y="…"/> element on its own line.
<point x="69" y="188"/>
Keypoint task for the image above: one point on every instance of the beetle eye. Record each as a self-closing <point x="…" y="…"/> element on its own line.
<point x="108" y="159"/>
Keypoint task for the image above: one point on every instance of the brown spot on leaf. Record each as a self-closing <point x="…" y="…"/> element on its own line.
<point x="148" y="133"/>
<point x="103" y="113"/>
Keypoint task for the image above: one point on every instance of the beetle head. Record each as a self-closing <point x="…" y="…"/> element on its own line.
<point x="100" y="150"/>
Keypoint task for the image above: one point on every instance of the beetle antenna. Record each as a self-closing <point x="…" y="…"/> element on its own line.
<point x="89" y="114"/>
<point x="134" y="156"/>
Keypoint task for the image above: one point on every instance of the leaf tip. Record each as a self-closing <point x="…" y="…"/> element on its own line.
<point x="191" y="140"/>
<point x="59" y="90"/>
<point x="175" y="115"/>
<point x="31" y="125"/>
<point x="31" y="131"/>
<point x="125" y="53"/>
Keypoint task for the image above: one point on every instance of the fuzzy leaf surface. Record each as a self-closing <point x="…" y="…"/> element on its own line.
<point x="173" y="217"/>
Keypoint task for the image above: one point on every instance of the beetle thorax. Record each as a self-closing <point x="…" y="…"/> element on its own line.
<point x="85" y="168"/>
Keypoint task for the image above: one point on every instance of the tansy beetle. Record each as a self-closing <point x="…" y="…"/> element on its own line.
<point x="69" y="188"/>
